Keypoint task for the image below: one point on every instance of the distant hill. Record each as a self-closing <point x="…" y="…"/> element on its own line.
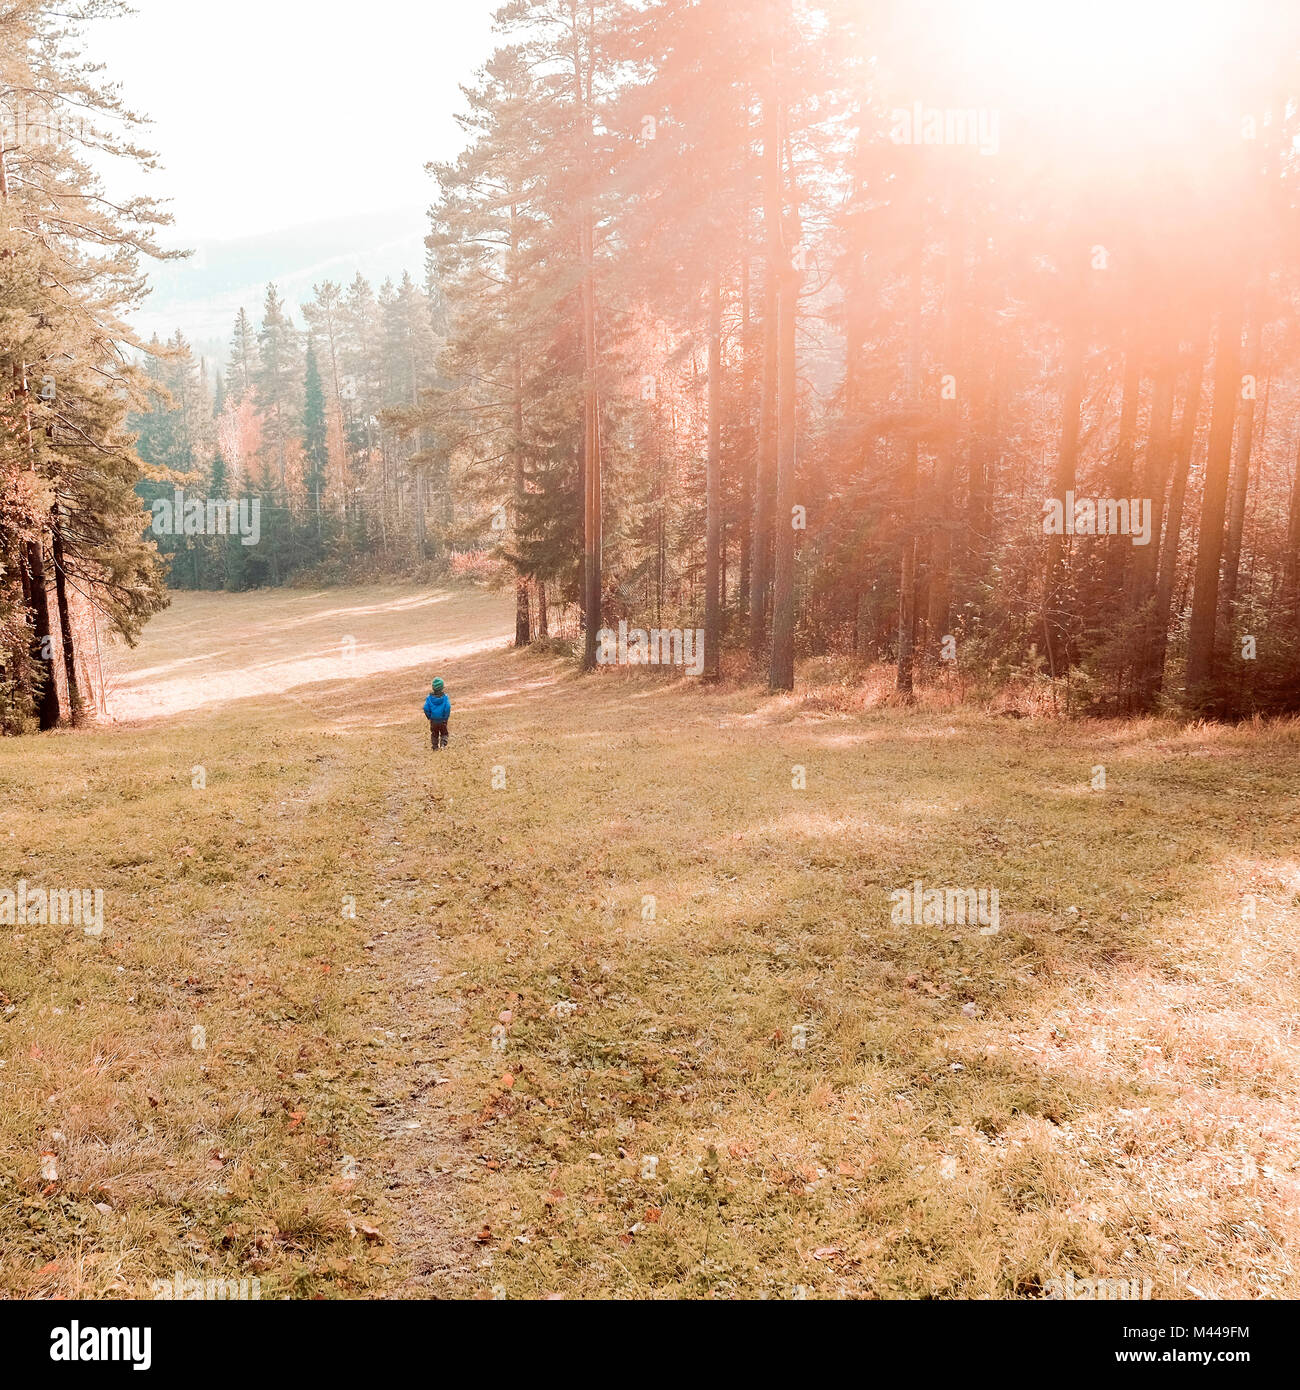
<point x="202" y="295"/>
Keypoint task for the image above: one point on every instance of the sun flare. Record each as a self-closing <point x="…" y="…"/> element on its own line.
<point x="1097" y="67"/>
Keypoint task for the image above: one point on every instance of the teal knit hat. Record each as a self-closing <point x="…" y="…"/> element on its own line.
<point x="437" y="686"/>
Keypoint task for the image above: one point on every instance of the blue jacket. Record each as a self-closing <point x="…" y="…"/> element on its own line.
<point x="437" y="708"/>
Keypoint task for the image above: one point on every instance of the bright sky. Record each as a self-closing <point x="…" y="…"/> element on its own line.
<point x="273" y="113"/>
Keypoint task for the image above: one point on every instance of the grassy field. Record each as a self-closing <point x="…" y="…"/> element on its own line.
<point x="606" y="1000"/>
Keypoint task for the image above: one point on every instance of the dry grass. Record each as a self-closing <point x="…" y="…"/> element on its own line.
<point x="654" y="907"/>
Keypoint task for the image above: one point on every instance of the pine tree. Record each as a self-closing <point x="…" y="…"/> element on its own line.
<point x="71" y="518"/>
<point x="277" y="386"/>
<point x="314" y="436"/>
<point x="242" y="367"/>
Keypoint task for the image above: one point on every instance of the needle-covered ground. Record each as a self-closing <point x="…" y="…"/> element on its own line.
<point x="606" y="999"/>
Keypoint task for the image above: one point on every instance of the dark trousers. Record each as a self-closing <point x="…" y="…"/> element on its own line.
<point x="439" y="733"/>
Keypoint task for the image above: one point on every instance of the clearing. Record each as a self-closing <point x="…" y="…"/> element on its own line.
<point x="606" y="1000"/>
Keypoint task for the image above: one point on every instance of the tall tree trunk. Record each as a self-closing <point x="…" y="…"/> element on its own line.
<point x="862" y="627"/>
<point x="1241" y="475"/>
<point x="523" y="610"/>
<point x="591" y="468"/>
<point x="1168" y="568"/>
<point x="765" y="475"/>
<point x="1140" y="581"/>
<point x="749" y="459"/>
<point x="65" y="615"/>
<point x="1056" y="626"/>
<point x="713" y="489"/>
<point x="418" y="533"/>
<point x="421" y="532"/>
<point x="1119" y="548"/>
<point x="781" y="676"/>
<point x="985" y="419"/>
<point x="592" y="518"/>
<point x="940" y="595"/>
<point x="1139" y="595"/>
<point x="1202" y="628"/>
<point x="856" y="305"/>
<point x="32" y="560"/>
<point x="781" y="672"/>
<point x="908" y="483"/>
<point x="1291" y="558"/>
<point x="47" y="702"/>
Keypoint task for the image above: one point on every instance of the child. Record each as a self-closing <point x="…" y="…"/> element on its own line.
<point x="437" y="710"/>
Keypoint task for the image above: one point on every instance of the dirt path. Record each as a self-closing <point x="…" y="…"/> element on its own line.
<point x="426" y="1159"/>
<point x="359" y="665"/>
